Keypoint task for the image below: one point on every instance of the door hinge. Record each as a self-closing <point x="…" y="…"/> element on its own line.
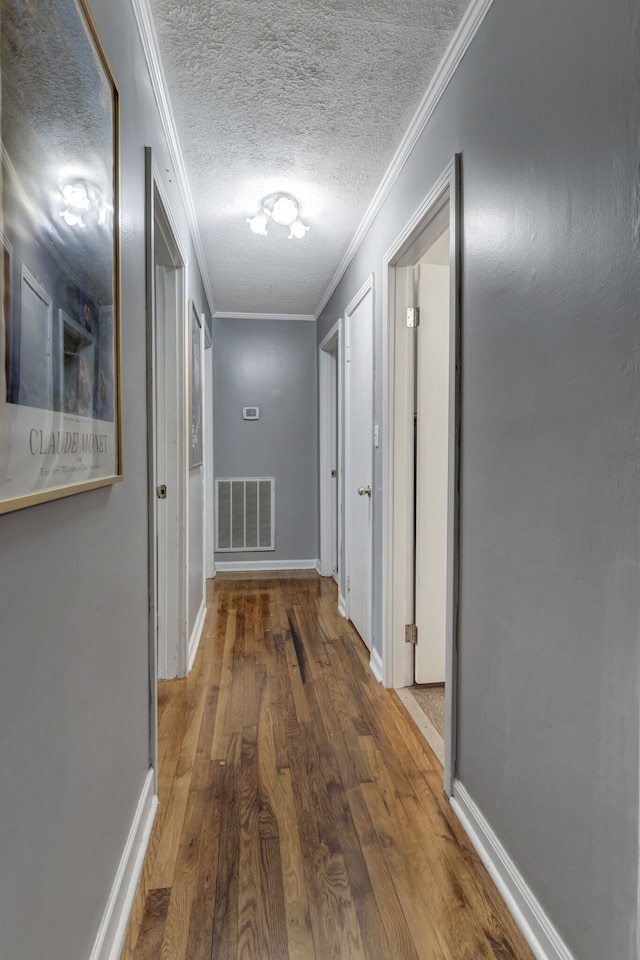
<point x="413" y="316"/>
<point x="348" y="353"/>
<point x="411" y="633"/>
<point x="161" y="492"/>
<point x="334" y="473"/>
<point x="348" y="583"/>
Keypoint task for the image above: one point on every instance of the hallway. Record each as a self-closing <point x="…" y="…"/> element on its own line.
<point x="301" y="814"/>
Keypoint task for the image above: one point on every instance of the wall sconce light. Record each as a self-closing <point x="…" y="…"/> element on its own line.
<point x="282" y="208"/>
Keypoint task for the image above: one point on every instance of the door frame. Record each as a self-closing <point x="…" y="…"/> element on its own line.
<point x="207" y="433"/>
<point x="367" y="286"/>
<point x="157" y="206"/>
<point x="398" y="533"/>
<point x="329" y="348"/>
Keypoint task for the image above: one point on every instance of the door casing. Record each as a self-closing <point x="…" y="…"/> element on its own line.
<point x="329" y="356"/>
<point x="167" y="649"/>
<point x="398" y="519"/>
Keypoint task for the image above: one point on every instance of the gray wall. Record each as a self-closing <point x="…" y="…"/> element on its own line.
<point x="271" y="364"/>
<point x="545" y="110"/>
<point x="73" y="624"/>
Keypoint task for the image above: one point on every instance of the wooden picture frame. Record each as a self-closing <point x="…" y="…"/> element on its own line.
<point x="60" y="383"/>
<point x="195" y="387"/>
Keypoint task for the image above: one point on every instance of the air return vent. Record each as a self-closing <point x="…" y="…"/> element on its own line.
<point x="245" y="508"/>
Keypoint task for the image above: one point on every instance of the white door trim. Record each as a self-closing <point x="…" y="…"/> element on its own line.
<point x="155" y="192"/>
<point x="329" y="346"/>
<point x="367" y="286"/>
<point x="396" y="557"/>
<point x="209" y="513"/>
<point x="150" y="178"/>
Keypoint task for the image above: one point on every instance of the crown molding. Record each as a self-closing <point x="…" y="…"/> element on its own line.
<point x="224" y="315"/>
<point x="149" y="39"/>
<point x="454" y="53"/>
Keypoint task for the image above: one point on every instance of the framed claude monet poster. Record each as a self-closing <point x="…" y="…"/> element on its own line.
<point x="59" y="283"/>
<point x="195" y="387"/>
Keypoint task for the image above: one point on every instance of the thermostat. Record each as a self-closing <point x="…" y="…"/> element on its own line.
<point x="251" y="413"/>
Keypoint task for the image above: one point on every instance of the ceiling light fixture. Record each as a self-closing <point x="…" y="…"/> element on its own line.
<point x="76" y="196"/>
<point x="282" y="208"/>
<point x="81" y="198"/>
<point x="259" y="223"/>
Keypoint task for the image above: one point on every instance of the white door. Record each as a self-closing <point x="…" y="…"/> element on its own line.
<point x="359" y="464"/>
<point x="164" y="629"/>
<point x="432" y="477"/>
<point x="169" y="458"/>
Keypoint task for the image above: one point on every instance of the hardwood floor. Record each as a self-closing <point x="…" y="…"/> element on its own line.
<point x="425" y="705"/>
<point x="431" y="700"/>
<point x="301" y="814"/>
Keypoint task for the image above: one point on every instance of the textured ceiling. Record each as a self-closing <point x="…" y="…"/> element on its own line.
<point x="311" y="97"/>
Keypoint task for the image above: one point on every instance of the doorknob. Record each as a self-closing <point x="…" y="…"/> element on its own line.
<point x="364" y="491"/>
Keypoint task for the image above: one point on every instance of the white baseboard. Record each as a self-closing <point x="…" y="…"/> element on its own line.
<point x="319" y="569"/>
<point x="375" y="662"/>
<point x="196" y="635"/>
<point x="111" y="933"/>
<point x="342" y="605"/>
<point x="237" y="566"/>
<point x="537" y="928"/>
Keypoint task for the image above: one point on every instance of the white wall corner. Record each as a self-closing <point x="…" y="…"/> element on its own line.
<point x="375" y="663"/>
<point x="319" y="569"/>
<point x="529" y="914"/>
<point x="342" y="606"/>
<point x="113" y="926"/>
<point x="196" y="635"/>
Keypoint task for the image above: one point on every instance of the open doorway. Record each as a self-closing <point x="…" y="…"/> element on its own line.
<point x="422" y="466"/>
<point x="167" y="445"/>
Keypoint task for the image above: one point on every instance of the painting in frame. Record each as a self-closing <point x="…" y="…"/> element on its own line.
<point x="195" y="387"/>
<point x="60" y="397"/>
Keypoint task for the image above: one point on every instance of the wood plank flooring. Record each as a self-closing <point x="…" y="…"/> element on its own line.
<point x="425" y="706"/>
<point x="301" y="814"/>
<point x="431" y="701"/>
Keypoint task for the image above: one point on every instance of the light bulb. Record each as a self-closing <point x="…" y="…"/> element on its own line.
<point x="75" y="196"/>
<point x="285" y="211"/>
<point x="73" y="219"/>
<point x="298" y="230"/>
<point x="259" y="223"/>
